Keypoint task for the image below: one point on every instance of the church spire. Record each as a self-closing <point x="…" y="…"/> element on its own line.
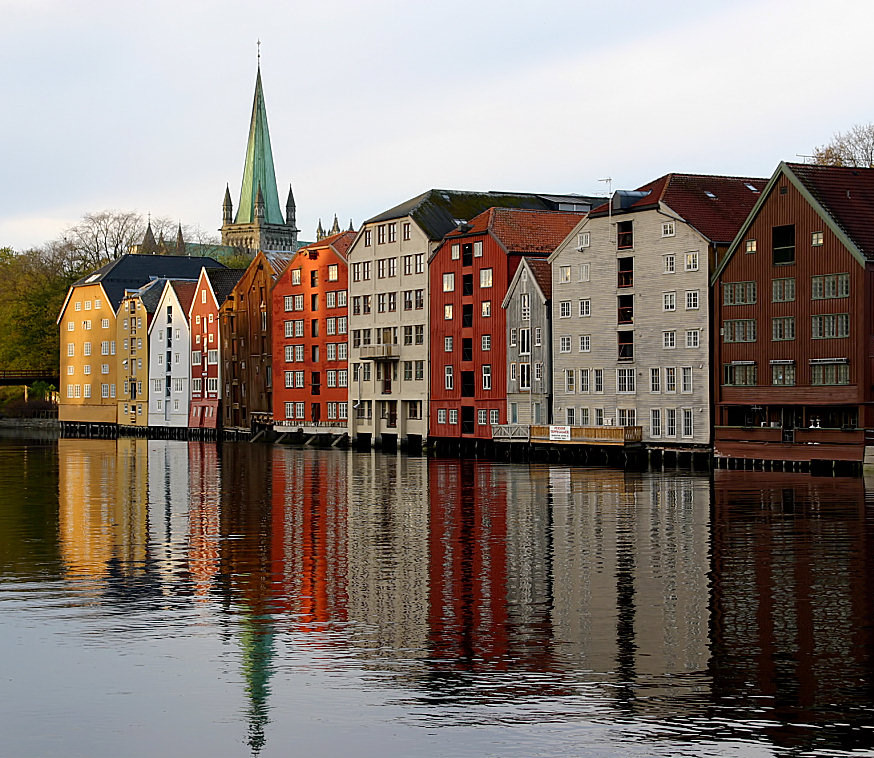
<point x="227" y="207"/>
<point x="258" y="169"/>
<point x="149" y="246"/>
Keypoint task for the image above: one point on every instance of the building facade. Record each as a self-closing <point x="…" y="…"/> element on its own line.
<point x="213" y="287"/>
<point x="246" y="351"/>
<point x="169" y="356"/>
<point x="469" y="273"/>
<point x="630" y="303"/>
<point x="310" y="338"/>
<point x="528" y="336"/>
<point x="792" y="321"/>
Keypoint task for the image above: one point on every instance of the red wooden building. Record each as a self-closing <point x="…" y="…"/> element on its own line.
<point x="213" y="287"/>
<point x="310" y="326"/>
<point x="246" y="350"/>
<point x="793" y="347"/>
<point x="468" y="275"/>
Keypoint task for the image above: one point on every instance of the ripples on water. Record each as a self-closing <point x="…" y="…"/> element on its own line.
<point x="179" y="598"/>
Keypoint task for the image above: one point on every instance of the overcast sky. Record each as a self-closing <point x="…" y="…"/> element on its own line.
<point x="145" y="106"/>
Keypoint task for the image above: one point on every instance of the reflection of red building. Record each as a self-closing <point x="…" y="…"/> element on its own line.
<point x="468" y="275"/>
<point x="467" y="563"/>
<point x="792" y="604"/>
<point x="213" y="287"/>
<point x="310" y="320"/>
<point x="309" y="537"/>
<point x="204" y="526"/>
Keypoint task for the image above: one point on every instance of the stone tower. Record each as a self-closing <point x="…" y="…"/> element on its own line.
<point x="258" y="224"/>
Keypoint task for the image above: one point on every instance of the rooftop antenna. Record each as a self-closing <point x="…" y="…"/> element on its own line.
<point x="609" y="182"/>
<point x="259" y="53"/>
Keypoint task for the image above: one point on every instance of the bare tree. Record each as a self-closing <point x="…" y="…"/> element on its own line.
<point x="855" y="148"/>
<point x="101" y="237"/>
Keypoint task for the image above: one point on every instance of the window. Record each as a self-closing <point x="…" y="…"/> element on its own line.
<point x="739" y="293"/>
<point x="477" y="249"/>
<point x="564" y="344"/>
<point x="655" y="376"/>
<point x="668" y="229"/>
<point x="671" y="422"/>
<point x="289" y="328"/>
<point x="298" y="302"/>
<point x="380" y="234"/>
<point x="392" y="232"/>
<point x="449" y="282"/>
<point x="626" y="417"/>
<point x="585" y="272"/>
<point x="368" y="238"/>
<point x="487" y="377"/>
<point x="86" y="348"/>
<point x="670" y="379"/>
<point x="693" y="337"/>
<point x="691" y="300"/>
<point x="624" y="235"/>
<point x="670" y="264"/>
<point x="584" y="239"/>
<point x="570" y="416"/>
<point x="538" y="332"/>
<point x="564" y="309"/>
<point x="783" y="290"/>
<point x="405" y="230"/>
<point x="598" y="375"/>
<point x="447" y="344"/>
<point x="750" y="246"/>
<point x="585" y="386"/>
<point x="356" y="272"/>
<point x="448" y="378"/>
<point x="295" y="276"/>
<point x="104" y="323"/>
<point x="783" y="328"/>
<point x="585" y="307"/>
<point x="585" y="343"/>
<point x="482" y="417"/>
<point x="830" y="286"/>
<point x="485" y="278"/>
<point x="486" y="308"/>
<point x="71" y="326"/>
<point x="829" y="372"/>
<point x="212" y="384"/>
<point x="783" y="244"/>
<point x="420" y="334"/>
<point x="741" y="374"/>
<point x="688" y="422"/>
<point x="365" y="270"/>
<point x="420" y="263"/>
<point x="441" y="416"/>
<point x="380" y="268"/>
<point x="453" y="416"/>
<point x="494" y="416"/>
<point x="564" y="274"/>
<point x="525" y="306"/>
<point x="830" y="326"/>
<point x="625" y="380"/>
<point x="513" y="337"/>
<point x="486" y="342"/>
<point x="599" y="417"/>
<point x="816" y="239"/>
<point x="196" y="357"/>
<point x="569" y="376"/>
<point x="669" y="340"/>
<point x="298" y="353"/>
<point x="447" y="312"/>
<point x="299" y="379"/>
<point x="455" y="252"/>
<point x="655" y="422"/>
<point x="739" y="330"/>
<point x="783" y="373"/>
<point x="692" y="261"/>
<point x="686" y="379"/>
<point x="669" y="301"/>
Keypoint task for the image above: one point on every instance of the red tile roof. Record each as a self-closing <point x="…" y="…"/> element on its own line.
<point x="340" y="242"/>
<point x="542" y="271"/>
<point x="528" y="232"/>
<point x="847" y="195"/>
<point x="716" y="206"/>
<point x="184" y="292"/>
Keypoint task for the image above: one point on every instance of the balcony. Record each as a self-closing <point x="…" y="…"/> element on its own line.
<point x="389" y="352"/>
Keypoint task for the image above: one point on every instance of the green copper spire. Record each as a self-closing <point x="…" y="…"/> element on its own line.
<point x="258" y="171"/>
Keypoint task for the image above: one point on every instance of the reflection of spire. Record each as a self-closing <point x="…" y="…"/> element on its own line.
<point x="256" y="640"/>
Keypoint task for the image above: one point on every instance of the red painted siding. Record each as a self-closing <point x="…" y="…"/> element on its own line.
<point x="204" y="322"/>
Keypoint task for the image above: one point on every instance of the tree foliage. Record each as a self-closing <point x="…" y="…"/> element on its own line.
<point x="854" y="148"/>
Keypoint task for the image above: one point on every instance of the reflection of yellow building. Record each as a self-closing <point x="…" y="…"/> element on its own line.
<point x="102" y="505"/>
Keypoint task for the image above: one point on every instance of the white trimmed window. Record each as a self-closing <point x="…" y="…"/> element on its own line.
<point x="585" y="343"/>
<point x="564" y="344"/>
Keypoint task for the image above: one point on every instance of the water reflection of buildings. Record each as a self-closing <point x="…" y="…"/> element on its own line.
<point x="792" y="606"/>
<point x="102" y="516"/>
<point x="630" y="577"/>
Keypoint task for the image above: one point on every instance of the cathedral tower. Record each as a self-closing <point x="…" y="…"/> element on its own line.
<point x="258" y="224"/>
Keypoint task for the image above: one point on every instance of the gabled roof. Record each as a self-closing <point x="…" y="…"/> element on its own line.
<point x="150" y="294"/>
<point x="714" y="205"/>
<point x="278" y="261"/>
<point x="222" y="281"/>
<point x="541" y="275"/>
<point x="133" y="271"/>
<point x="339" y="243"/>
<point x="847" y="195"/>
<point x="439" y="211"/>
<point x="842" y="196"/>
<point x="521" y="231"/>
<point x="184" y="289"/>
<point x="258" y="172"/>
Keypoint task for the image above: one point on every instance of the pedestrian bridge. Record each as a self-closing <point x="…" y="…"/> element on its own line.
<point x="15" y="377"/>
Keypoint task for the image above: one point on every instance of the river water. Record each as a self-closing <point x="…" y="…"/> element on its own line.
<point x="183" y="599"/>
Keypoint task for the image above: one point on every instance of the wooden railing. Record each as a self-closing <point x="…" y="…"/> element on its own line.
<point x="579" y="435"/>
